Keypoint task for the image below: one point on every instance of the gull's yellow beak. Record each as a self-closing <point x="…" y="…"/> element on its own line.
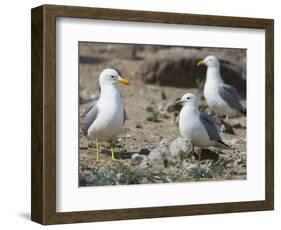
<point x="201" y="62"/>
<point x="123" y="81"/>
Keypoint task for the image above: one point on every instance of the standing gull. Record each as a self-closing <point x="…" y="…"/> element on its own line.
<point x="198" y="126"/>
<point x="223" y="99"/>
<point x="105" y="119"/>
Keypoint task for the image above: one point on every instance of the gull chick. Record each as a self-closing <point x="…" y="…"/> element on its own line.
<point x="105" y="119"/>
<point x="223" y="99"/>
<point x="198" y="126"/>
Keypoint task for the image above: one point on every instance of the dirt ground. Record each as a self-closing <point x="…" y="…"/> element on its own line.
<point x="147" y="124"/>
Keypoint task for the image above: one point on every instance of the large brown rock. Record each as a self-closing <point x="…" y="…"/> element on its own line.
<point x="172" y="72"/>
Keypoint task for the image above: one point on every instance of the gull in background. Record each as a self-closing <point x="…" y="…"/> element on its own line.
<point x="223" y="99"/>
<point x="105" y="119"/>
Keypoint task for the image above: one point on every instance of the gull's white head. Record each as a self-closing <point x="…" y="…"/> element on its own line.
<point x="111" y="77"/>
<point x="188" y="99"/>
<point x="209" y="61"/>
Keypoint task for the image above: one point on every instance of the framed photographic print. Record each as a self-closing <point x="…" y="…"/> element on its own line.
<point x="141" y="114"/>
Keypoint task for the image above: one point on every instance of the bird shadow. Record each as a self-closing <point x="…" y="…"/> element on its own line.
<point x="119" y="155"/>
<point x="125" y="154"/>
<point x="206" y="154"/>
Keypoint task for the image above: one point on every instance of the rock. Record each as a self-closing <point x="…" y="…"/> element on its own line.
<point x="180" y="148"/>
<point x="177" y="67"/>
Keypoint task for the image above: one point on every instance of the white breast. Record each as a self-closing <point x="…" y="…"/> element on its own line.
<point x="191" y="127"/>
<point x="109" y="122"/>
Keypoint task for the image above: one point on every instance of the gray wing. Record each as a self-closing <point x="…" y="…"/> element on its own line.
<point x="89" y="106"/>
<point x="210" y="126"/>
<point x="90" y="117"/>
<point x="231" y="96"/>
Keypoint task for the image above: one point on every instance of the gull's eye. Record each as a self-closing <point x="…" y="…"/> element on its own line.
<point x="188" y="98"/>
<point x="112" y="77"/>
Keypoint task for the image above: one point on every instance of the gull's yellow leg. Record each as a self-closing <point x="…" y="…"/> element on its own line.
<point x="112" y="154"/>
<point x="97" y="151"/>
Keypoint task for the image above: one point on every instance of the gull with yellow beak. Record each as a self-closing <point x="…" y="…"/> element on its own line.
<point x="223" y="99"/>
<point x="105" y="119"/>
